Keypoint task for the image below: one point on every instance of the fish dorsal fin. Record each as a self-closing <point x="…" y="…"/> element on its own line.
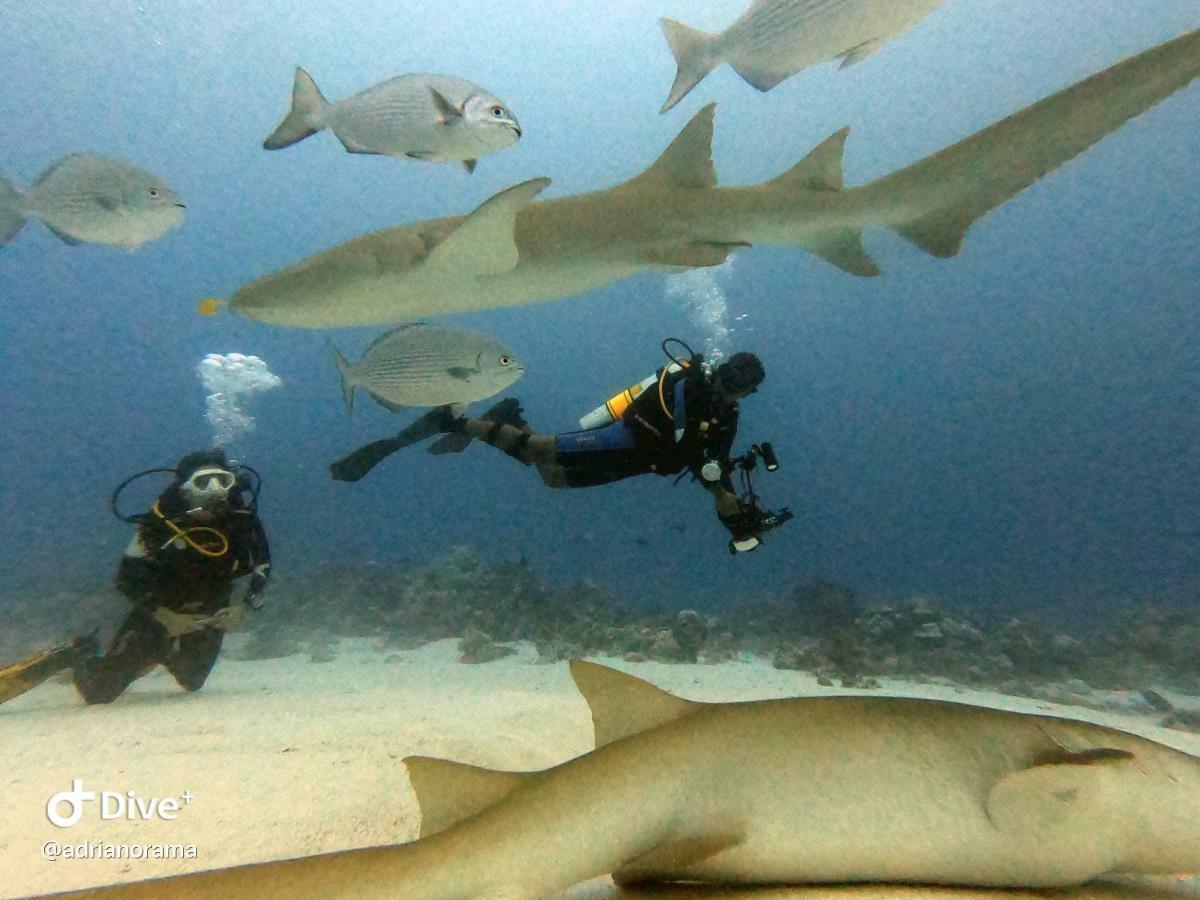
<point x="687" y="162"/>
<point x="449" y="792"/>
<point x="622" y="705"/>
<point x="821" y="170"/>
<point x="392" y="333"/>
<point x="55" y="166"/>
<point x="483" y="243"/>
<point x="1063" y="790"/>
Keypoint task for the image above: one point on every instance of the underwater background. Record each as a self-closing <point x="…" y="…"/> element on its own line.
<point x="1014" y="427"/>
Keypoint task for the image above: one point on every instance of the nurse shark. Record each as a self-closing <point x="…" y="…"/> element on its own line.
<point x="512" y="250"/>
<point x="837" y="789"/>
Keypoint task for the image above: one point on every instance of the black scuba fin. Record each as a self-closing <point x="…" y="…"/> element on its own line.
<point x="355" y="465"/>
<point x="506" y="412"/>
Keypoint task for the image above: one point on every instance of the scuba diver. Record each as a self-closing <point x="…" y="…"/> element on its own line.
<point x="683" y="419"/>
<point x="200" y="536"/>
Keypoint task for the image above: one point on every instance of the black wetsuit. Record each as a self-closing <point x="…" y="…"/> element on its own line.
<point x="643" y="440"/>
<point x="160" y="570"/>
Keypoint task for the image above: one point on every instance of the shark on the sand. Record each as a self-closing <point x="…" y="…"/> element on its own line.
<point x="835" y="789"/>
<point x="512" y="251"/>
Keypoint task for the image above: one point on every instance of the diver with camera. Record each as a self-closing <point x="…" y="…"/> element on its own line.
<point x="682" y="419"/>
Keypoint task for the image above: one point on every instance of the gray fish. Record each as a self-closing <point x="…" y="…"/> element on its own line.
<point x="95" y="199"/>
<point x="775" y="39"/>
<point x="435" y="118"/>
<point x="429" y="365"/>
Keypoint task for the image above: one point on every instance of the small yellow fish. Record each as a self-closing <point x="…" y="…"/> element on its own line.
<point x="209" y="306"/>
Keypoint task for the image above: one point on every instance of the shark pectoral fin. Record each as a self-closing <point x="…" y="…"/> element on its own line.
<point x="687" y="161"/>
<point x="449" y="792"/>
<point x="690" y="253"/>
<point x="820" y="170"/>
<point x="675" y="857"/>
<point x="622" y="705"/>
<point x="857" y="54"/>
<point x="844" y="249"/>
<point x="1073" y="790"/>
<point x="483" y="243"/>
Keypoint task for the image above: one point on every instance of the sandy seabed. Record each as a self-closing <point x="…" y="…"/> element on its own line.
<point x="284" y="758"/>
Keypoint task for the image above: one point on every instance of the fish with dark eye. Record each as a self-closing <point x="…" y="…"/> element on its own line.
<point x="93" y="199"/>
<point x="435" y="118"/>
<point x="429" y="365"/>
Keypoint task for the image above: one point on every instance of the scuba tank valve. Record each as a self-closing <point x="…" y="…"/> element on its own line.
<point x="613" y="408"/>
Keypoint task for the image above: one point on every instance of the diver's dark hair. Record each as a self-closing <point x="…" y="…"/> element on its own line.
<point x="198" y="460"/>
<point x="740" y="372"/>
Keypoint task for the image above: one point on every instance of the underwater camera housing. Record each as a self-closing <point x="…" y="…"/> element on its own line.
<point x="759" y="519"/>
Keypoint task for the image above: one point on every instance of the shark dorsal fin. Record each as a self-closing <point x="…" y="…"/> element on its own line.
<point x="687" y="162"/>
<point x="821" y="170"/>
<point x="483" y="242"/>
<point x="449" y="792"/>
<point x="622" y="705"/>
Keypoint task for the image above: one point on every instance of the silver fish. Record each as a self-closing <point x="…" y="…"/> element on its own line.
<point x="429" y="365"/>
<point x="95" y="199"/>
<point x="435" y="118"/>
<point x="775" y="39"/>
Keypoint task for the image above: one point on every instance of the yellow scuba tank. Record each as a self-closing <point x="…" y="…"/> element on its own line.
<point x="614" y="407"/>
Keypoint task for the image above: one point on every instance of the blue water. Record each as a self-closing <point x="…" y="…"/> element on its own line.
<point x="1020" y="422"/>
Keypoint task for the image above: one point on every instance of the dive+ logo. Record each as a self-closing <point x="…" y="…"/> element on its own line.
<point x="113" y="805"/>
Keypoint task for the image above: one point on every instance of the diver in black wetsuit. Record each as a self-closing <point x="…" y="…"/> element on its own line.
<point x="685" y="419"/>
<point x="200" y="536"/>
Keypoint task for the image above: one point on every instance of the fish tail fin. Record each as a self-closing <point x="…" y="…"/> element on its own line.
<point x="11" y="215"/>
<point x="694" y="57"/>
<point x="347" y="376"/>
<point x="307" y="100"/>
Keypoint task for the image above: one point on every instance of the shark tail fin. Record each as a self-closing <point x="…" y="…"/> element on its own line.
<point x="11" y="217"/>
<point x="347" y="377"/>
<point x="622" y="705"/>
<point x="694" y="58"/>
<point x="307" y="101"/>
<point x="449" y="792"/>
<point x="959" y="185"/>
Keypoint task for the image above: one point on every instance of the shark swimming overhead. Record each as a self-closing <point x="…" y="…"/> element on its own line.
<point x="512" y="251"/>
<point x="834" y="789"/>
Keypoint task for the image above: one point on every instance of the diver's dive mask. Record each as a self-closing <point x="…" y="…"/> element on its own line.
<point x="207" y="488"/>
